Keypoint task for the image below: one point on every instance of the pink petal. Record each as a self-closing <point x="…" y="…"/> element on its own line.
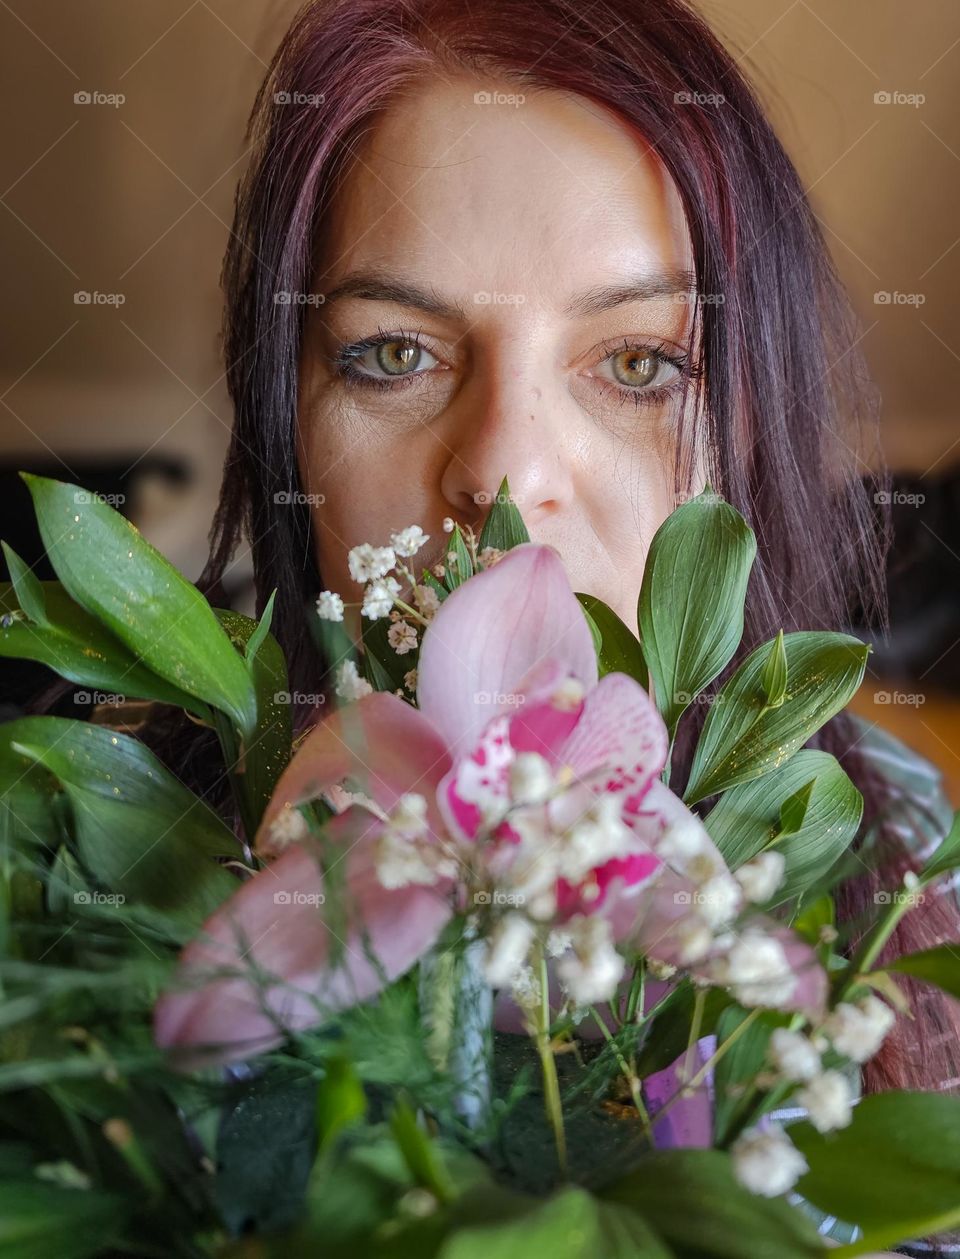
<point x="491" y="632"/>
<point x="262" y="967"/>
<point x="621" y="735"/>
<point x="382" y="743"/>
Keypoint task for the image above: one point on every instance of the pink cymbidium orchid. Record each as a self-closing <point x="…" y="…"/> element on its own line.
<point x="522" y="790"/>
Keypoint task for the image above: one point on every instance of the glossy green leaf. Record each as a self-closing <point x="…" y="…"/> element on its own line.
<point x="458" y="569"/>
<point x="76" y="645"/>
<point x="947" y="854"/>
<point x="27" y="586"/>
<point x="939" y="966"/>
<point x="503" y="527"/>
<point x="774" y="676"/>
<point x="737" y="1070"/>
<point x="693" y="1201"/>
<point x="748" y="818"/>
<point x="794" y="809"/>
<point x="255" y="640"/>
<point x="690" y="611"/>
<point x="619" y="650"/>
<point x="265" y="754"/>
<point x="110" y="570"/>
<point x="341" y="1100"/>
<point x="139" y="831"/>
<point x="743" y="739"/>
<point x="894" y="1171"/>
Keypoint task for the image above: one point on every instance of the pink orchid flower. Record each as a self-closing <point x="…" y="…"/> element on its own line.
<point x="507" y="667"/>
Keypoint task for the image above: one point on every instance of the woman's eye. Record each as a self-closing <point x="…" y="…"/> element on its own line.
<point x="639" y="368"/>
<point x="397" y="357"/>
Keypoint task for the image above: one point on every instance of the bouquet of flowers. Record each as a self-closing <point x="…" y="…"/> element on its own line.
<point x="472" y="974"/>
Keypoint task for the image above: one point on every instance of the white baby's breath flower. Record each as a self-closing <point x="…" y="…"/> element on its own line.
<point x="329" y="606"/>
<point x="402" y="637"/>
<point x="427" y="601"/>
<point x="828" y="1100"/>
<point x="288" y="827"/>
<point x="593" y="969"/>
<point x="597" y="837"/>
<point x="350" y="685"/>
<point x="767" y="1162"/>
<point x="719" y="899"/>
<point x="793" y="1055"/>
<point x="449" y="524"/>
<point x="858" y="1030"/>
<point x="531" y="778"/>
<point x="525" y="988"/>
<point x="367" y="562"/>
<point x="558" y="942"/>
<point x="379" y="596"/>
<point x="410" y="679"/>
<point x="489" y="556"/>
<point x="757" y="970"/>
<point x="694" y="939"/>
<point x="761" y="877"/>
<point x="507" y="949"/>
<point x="409" y="541"/>
<point x="685" y="846"/>
<point x="406" y="852"/>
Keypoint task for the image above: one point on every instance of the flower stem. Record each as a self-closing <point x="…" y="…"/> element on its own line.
<point x="629" y="1074"/>
<point x="548" y="1065"/>
<point x="710" y="1063"/>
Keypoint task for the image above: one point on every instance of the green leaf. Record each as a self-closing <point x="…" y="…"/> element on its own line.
<point x="265" y="755"/>
<point x="139" y="831"/>
<point x="341" y="1100"/>
<point x="738" y="1068"/>
<point x="748" y="818"/>
<point x="947" y="855"/>
<point x="743" y="739"/>
<point x="262" y="630"/>
<point x="503" y="527"/>
<point x="571" y="1225"/>
<point x="619" y="650"/>
<point x="693" y="1201"/>
<point x="939" y="966"/>
<point x="690" y="610"/>
<point x="75" y="645"/>
<point x="669" y="1031"/>
<point x="894" y="1171"/>
<point x="40" y="1221"/>
<point x="794" y="809"/>
<point x="456" y="571"/>
<point x="27" y="586"/>
<point x="774" y="676"/>
<point x="419" y="1154"/>
<point x="110" y="570"/>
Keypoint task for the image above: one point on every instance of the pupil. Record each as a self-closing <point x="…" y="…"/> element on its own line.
<point x="635" y="367"/>
<point x="396" y="357"/>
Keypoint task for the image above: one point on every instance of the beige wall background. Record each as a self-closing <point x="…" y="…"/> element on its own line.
<point x="134" y="199"/>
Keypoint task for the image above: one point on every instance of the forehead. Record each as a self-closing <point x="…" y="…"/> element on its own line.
<point x="476" y="180"/>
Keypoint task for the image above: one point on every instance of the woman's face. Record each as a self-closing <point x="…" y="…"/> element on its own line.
<point x="507" y="291"/>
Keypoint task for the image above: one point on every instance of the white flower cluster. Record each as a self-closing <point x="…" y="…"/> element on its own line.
<point x="372" y="566"/>
<point x="766" y="1161"/>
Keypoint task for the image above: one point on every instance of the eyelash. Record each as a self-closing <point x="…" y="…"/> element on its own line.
<point x="647" y="396"/>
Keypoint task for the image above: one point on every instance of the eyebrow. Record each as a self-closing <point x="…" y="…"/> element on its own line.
<point x="378" y="286"/>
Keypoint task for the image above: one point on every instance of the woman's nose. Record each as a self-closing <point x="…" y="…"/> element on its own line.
<point x="509" y="424"/>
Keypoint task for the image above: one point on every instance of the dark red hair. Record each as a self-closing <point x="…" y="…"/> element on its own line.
<point x="783" y="400"/>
